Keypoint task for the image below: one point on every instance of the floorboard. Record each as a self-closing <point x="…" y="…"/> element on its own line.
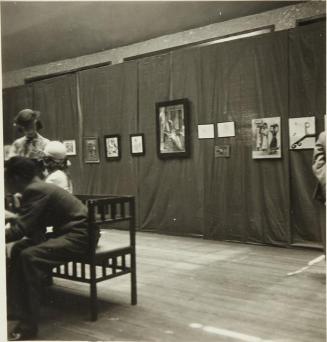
<point x="190" y="289"/>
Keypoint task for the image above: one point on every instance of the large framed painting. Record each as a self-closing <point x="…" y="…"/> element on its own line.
<point x="91" y="150"/>
<point x="172" y="118"/>
<point x="112" y="147"/>
<point x="302" y="133"/>
<point x="266" y="138"/>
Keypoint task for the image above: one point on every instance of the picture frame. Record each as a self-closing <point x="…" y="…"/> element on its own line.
<point x="70" y="146"/>
<point x="173" y="135"/>
<point x="226" y="129"/>
<point x="112" y="144"/>
<point x="302" y="132"/>
<point x="91" y="150"/>
<point x="137" y="146"/>
<point x="266" y="138"/>
<point x="206" y="131"/>
<point x="222" y="151"/>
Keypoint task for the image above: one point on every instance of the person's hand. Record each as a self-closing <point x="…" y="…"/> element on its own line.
<point x="9" y="216"/>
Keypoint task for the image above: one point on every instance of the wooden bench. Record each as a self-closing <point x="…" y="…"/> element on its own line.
<point x="104" y="262"/>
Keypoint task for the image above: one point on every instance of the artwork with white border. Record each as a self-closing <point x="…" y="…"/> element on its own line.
<point x="226" y="129"/>
<point x="137" y="144"/>
<point x="302" y="132"/>
<point x="266" y="138"/>
<point x="70" y="147"/>
<point x="206" y="131"/>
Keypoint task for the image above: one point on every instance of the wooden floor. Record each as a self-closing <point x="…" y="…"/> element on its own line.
<point x="197" y="290"/>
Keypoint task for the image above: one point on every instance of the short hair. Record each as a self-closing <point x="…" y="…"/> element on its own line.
<point x="22" y="167"/>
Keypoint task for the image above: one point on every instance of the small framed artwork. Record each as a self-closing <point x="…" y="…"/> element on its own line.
<point x="173" y="139"/>
<point x="112" y="146"/>
<point x="206" y="131"/>
<point x="70" y="147"/>
<point x="226" y="129"/>
<point x="137" y="144"/>
<point x="91" y="150"/>
<point x="302" y="133"/>
<point x="266" y="138"/>
<point x="222" y="151"/>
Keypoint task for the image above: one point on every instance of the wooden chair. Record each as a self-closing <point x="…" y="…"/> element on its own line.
<point x="104" y="262"/>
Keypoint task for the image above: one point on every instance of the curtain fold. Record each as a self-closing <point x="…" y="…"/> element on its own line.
<point x="307" y="58"/>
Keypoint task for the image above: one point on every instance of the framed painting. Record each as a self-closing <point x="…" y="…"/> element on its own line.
<point x="222" y="151"/>
<point x="173" y="140"/>
<point x="302" y="132"/>
<point x="137" y="144"/>
<point x="70" y="147"/>
<point x="112" y="147"/>
<point x="266" y="138"/>
<point x="91" y="150"/>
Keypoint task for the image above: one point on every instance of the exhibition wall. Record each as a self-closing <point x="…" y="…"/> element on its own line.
<point x="280" y="74"/>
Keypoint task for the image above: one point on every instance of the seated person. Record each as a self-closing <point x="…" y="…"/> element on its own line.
<point x="56" y="165"/>
<point x="34" y="255"/>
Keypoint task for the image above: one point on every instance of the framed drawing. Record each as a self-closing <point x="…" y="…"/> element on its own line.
<point x="226" y="129"/>
<point x="206" y="131"/>
<point x="70" y="147"/>
<point x="222" y="151"/>
<point x="172" y="119"/>
<point x="266" y="138"/>
<point x="302" y="132"/>
<point x="137" y="144"/>
<point x="112" y="146"/>
<point x="91" y="150"/>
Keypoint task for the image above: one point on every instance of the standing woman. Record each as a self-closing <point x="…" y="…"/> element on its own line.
<point x="32" y="144"/>
<point x="56" y="165"/>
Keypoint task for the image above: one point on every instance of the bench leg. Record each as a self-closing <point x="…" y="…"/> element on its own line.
<point x="133" y="281"/>
<point x="93" y="300"/>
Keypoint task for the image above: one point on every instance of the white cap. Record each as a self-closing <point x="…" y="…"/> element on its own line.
<point x="55" y="150"/>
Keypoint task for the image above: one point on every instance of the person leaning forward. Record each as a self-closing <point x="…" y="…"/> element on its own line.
<point x="33" y="256"/>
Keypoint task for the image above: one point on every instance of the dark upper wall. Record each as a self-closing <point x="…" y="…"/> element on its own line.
<point x="71" y="29"/>
<point x="282" y="19"/>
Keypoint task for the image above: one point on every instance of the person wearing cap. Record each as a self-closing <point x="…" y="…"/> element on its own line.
<point x="34" y="255"/>
<point x="32" y="144"/>
<point x="56" y="165"/>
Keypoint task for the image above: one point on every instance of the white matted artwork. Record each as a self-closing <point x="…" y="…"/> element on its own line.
<point x="206" y="131"/>
<point x="266" y="138"/>
<point x="302" y="132"/>
<point x="70" y="147"/>
<point x="226" y="129"/>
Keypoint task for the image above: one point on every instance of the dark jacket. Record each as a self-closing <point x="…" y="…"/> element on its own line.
<point x="46" y="205"/>
<point x="319" y="167"/>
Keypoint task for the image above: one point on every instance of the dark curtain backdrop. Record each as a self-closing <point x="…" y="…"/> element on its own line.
<point x="307" y="71"/>
<point x="108" y="98"/>
<point x="170" y="190"/>
<point x="237" y="198"/>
